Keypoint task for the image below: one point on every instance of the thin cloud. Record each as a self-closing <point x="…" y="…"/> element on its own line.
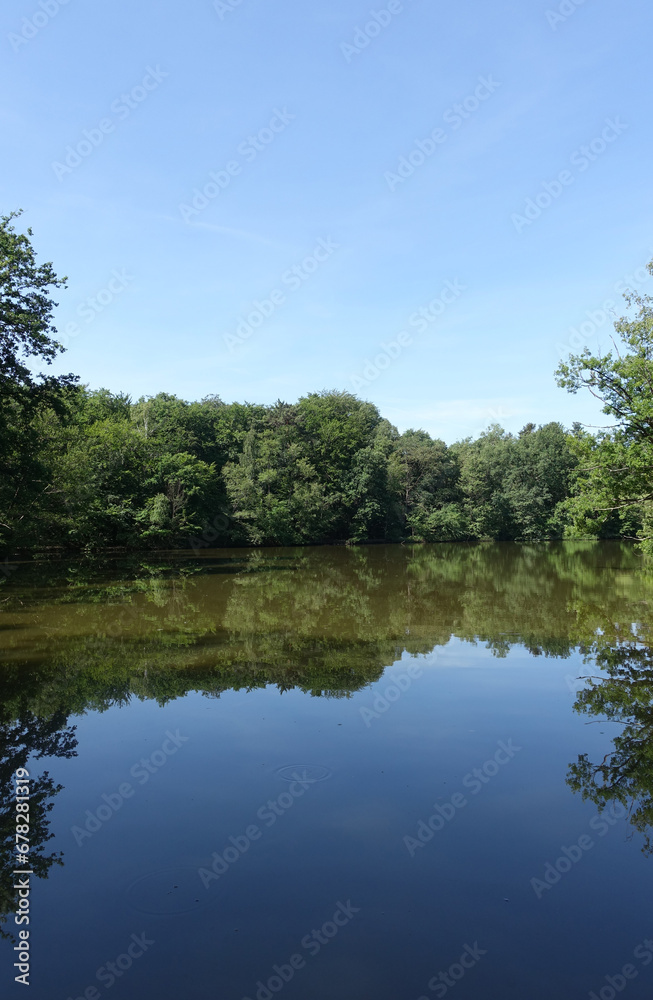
<point x="228" y="231"/>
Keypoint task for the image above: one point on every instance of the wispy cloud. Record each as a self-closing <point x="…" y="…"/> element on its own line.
<point x="240" y="234"/>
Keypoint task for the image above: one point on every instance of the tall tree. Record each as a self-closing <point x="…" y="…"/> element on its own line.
<point x="26" y="332"/>
<point x="615" y="480"/>
<point x="26" y="325"/>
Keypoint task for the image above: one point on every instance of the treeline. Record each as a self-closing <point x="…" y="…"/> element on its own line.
<point x="85" y="469"/>
<point x="161" y="472"/>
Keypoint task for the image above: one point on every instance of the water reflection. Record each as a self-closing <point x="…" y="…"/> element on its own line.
<point x="326" y="621"/>
<point x="25" y="739"/>
<point x="623" y="697"/>
<point x="80" y="638"/>
<point x="88" y="635"/>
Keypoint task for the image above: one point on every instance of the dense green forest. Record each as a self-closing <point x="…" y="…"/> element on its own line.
<point x="89" y="469"/>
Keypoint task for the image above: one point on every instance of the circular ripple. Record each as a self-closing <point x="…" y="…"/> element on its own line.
<point x="174" y="890"/>
<point x="305" y="772"/>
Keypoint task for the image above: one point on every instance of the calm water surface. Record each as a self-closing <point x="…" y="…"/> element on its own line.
<point x="382" y="772"/>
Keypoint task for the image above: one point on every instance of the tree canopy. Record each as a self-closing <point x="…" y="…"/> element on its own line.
<point x="614" y="479"/>
<point x="26" y="334"/>
<point x="85" y="468"/>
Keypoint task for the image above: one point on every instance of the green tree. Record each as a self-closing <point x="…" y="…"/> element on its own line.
<point x="274" y="489"/>
<point x="614" y="486"/>
<point x="485" y="468"/>
<point x="27" y="333"/>
<point x="186" y="498"/>
<point x="425" y="475"/>
<point x="513" y="486"/>
<point x="539" y="480"/>
<point x="26" y="325"/>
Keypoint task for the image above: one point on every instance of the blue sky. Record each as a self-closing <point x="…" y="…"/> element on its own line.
<point x="304" y="127"/>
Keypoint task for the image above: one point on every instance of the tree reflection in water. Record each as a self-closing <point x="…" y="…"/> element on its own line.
<point x="84" y="635"/>
<point x="623" y="696"/>
<point x="21" y="741"/>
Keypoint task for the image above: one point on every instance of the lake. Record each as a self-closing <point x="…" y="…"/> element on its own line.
<point x="385" y="772"/>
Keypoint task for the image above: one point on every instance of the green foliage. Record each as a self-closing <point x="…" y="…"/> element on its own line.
<point x="87" y="470"/>
<point x="26" y="328"/>
<point x="613" y="491"/>
<point x="186" y="486"/>
<point x="26" y="332"/>
<point x="157" y="473"/>
<point x="314" y="472"/>
<point x="513" y="487"/>
<point x="425" y="474"/>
